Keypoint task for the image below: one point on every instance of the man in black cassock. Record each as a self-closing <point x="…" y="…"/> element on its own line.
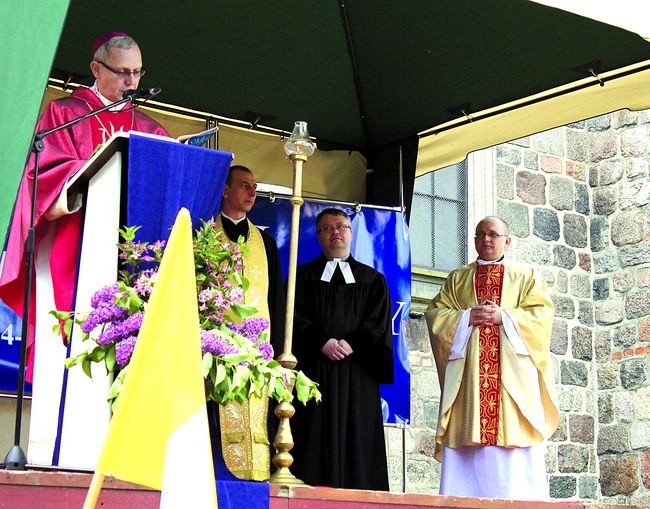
<point x="342" y="340"/>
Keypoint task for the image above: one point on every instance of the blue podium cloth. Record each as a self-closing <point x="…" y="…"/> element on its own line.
<point x="164" y="176"/>
<point x="233" y="493"/>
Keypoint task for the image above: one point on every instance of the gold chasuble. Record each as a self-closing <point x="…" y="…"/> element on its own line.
<point x="256" y="271"/>
<point x="497" y="383"/>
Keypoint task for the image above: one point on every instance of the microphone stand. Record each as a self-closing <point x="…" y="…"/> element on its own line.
<point x="15" y="458"/>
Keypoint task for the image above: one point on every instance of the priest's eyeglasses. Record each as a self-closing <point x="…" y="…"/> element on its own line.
<point x="124" y="74"/>
<point x="491" y="235"/>
<point x="330" y="228"/>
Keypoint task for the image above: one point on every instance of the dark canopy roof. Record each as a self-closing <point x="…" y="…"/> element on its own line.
<point x="362" y="73"/>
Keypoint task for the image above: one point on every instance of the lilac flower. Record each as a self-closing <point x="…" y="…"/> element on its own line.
<point x="105" y="296"/>
<point x="117" y="331"/>
<point x="218" y="299"/>
<point x="212" y="343"/>
<point x="236" y="295"/>
<point x="266" y="349"/>
<point x="250" y="328"/>
<point x="205" y="295"/>
<point x="124" y="349"/>
<point x="144" y="283"/>
<point x="104" y="314"/>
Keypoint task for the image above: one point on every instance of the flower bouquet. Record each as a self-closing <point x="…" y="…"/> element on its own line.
<point x="237" y="356"/>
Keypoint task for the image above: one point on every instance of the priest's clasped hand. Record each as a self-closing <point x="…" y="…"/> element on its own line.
<point x="486" y="313"/>
<point x="336" y="350"/>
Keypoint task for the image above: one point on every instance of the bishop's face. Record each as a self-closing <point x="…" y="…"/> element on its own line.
<point x="119" y="73"/>
<point x="334" y="236"/>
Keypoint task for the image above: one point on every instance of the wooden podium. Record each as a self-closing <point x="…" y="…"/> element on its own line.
<point x="131" y="180"/>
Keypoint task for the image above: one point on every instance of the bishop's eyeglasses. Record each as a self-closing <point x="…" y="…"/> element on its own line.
<point x="124" y="74"/>
<point x="341" y="227"/>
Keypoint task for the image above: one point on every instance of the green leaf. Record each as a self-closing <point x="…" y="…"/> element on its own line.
<point x="85" y="365"/>
<point x="61" y="315"/>
<point x="109" y="359"/>
<point x="206" y="364"/>
<point x="67" y="328"/>
<point x="116" y="387"/>
<point x="221" y="374"/>
<point x="244" y="310"/>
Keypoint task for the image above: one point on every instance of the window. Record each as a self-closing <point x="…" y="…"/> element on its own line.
<point x="438" y="226"/>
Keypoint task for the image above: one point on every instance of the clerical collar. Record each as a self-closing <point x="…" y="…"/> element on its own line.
<point x="104" y="100"/>
<point x="490" y="262"/>
<point x="330" y="267"/>
<point x="234" y="221"/>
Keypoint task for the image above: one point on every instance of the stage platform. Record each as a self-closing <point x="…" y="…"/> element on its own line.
<point x="64" y="490"/>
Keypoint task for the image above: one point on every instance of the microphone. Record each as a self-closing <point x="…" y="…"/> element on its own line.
<point x="141" y="93"/>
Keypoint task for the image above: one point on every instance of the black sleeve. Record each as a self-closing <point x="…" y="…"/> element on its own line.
<point x="276" y="297"/>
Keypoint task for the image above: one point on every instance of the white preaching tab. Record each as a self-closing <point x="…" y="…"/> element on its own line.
<point x="330" y="267"/>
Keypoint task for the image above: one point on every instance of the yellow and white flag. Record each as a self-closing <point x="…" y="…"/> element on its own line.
<point x="158" y="436"/>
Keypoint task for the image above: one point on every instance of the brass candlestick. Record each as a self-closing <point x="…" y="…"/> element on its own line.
<point x="298" y="148"/>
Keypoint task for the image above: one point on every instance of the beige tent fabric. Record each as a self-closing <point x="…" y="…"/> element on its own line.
<point x="333" y="175"/>
<point x="629" y="91"/>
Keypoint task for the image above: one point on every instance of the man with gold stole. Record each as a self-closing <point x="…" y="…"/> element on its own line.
<point x="261" y="266"/>
<point x="490" y="331"/>
<point x="262" y="261"/>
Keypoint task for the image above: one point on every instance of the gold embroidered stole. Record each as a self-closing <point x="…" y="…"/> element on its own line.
<point x="488" y="283"/>
<point x="256" y="271"/>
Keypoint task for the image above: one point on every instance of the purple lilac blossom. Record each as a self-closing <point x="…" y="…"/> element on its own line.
<point x="144" y="283"/>
<point x="124" y="349"/>
<point x="205" y="295"/>
<point x="236" y="295"/>
<point x="105" y="296"/>
<point x="266" y="349"/>
<point x="103" y="314"/>
<point x="117" y="331"/>
<point x="218" y="299"/>
<point x="210" y="342"/>
<point x="250" y="328"/>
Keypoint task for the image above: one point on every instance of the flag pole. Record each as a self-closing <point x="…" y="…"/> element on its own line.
<point x="93" y="491"/>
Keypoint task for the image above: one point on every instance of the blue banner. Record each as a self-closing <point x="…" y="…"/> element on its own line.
<point x="380" y="240"/>
<point x="10" y="328"/>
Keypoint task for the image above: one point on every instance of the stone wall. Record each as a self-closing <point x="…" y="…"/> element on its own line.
<point x="577" y="200"/>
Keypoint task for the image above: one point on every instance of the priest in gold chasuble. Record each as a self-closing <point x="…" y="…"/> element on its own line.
<point x="490" y="331"/>
<point x="262" y="261"/>
<point x="261" y="266"/>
